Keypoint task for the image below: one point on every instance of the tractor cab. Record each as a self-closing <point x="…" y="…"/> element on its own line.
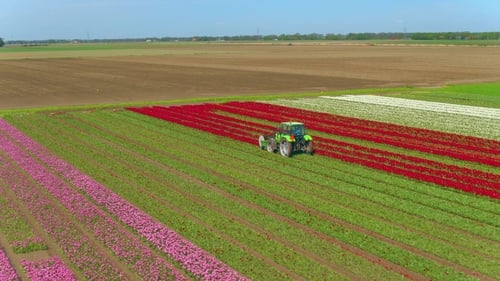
<point x="292" y="128"/>
<point x="291" y="131"/>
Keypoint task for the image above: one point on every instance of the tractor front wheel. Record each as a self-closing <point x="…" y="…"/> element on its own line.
<point x="285" y="148"/>
<point x="262" y="142"/>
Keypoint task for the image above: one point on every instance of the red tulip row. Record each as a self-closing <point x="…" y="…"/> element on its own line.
<point x="487" y="178"/>
<point x="189" y="119"/>
<point x="203" y="114"/>
<point x="409" y="170"/>
<point x="426" y="135"/>
<point x="209" y="118"/>
<point x="456" y="146"/>
<point x="206" y="113"/>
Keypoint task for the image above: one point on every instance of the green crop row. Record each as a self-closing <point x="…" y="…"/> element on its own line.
<point x="476" y="214"/>
<point x="180" y="222"/>
<point x="195" y="182"/>
<point x="492" y="252"/>
<point x="159" y="138"/>
<point x="484" y="94"/>
<point x="248" y="159"/>
<point x="289" y="258"/>
<point x="447" y="200"/>
<point x="187" y="148"/>
<point x="229" y="186"/>
<point x="106" y="152"/>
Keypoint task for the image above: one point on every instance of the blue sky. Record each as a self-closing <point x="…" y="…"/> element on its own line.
<point x="73" y="19"/>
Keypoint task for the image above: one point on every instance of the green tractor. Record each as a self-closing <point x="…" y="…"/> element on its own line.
<point x="290" y="137"/>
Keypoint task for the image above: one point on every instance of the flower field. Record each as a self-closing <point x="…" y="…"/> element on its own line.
<point x="417" y="114"/>
<point x="210" y="118"/>
<point x="477" y="111"/>
<point x="31" y="168"/>
<point x="7" y="273"/>
<point x="188" y="195"/>
<point x="48" y="270"/>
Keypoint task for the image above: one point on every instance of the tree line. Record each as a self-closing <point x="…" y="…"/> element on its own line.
<point x="289" y="37"/>
<point x="360" y="36"/>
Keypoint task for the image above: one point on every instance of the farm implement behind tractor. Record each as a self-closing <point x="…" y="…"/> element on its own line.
<point x="290" y="137"/>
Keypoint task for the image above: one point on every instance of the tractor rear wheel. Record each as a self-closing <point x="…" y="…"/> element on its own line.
<point x="309" y="147"/>
<point x="285" y="148"/>
<point x="271" y="145"/>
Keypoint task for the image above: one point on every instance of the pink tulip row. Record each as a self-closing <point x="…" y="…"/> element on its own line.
<point x="18" y="228"/>
<point x="36" y="241"/>
<point x="74" y="243"/>
<point x="191" y="257"/>
<point x="48" y="269"/>
<point x="7" y="272"/>
<point x="129" y="248"/>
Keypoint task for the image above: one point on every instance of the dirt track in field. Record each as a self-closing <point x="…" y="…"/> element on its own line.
<point x="213" y="70"/>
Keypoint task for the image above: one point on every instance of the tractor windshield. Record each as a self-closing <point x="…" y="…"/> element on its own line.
<point x="298" y="130"/>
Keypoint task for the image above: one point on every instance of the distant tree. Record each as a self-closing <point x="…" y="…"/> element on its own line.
<point x="1" y="42"/>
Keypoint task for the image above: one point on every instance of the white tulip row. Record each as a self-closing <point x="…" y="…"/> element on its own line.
<point x="476" y="111"/>
<point x="441" y="121"/>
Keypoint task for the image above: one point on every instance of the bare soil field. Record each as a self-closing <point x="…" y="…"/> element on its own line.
<point x="216" y="70"/>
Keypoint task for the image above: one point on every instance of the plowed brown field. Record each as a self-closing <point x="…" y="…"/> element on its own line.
<point x="212" y="70"/>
